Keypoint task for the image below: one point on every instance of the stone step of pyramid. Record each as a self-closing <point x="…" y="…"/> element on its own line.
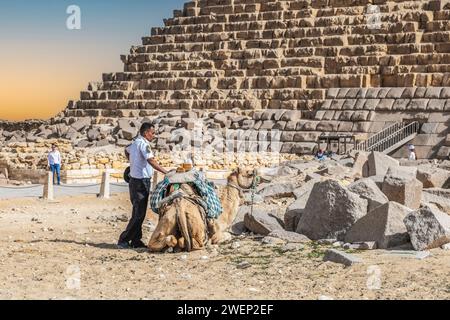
<point x="269" y="10"/>
<point x="283" y="94"/>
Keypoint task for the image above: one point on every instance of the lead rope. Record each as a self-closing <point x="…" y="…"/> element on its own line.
<point x="254" y="184"/>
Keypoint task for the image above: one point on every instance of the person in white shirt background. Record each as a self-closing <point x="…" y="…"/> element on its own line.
<point x="412" y="153"/>
<point x="54" y="163"/>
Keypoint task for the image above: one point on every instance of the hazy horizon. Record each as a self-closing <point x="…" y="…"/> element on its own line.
<point x="44" y="64"/>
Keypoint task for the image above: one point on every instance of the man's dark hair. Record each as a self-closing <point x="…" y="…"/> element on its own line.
<point x="146" y="126"/>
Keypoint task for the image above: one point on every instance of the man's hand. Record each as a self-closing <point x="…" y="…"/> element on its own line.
<point x="156" y="165"/>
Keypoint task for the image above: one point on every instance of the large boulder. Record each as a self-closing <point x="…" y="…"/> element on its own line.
<point x="331" y="211"/>
<point x="432" y="177"/>
<point x="438" y="197"/>
<point x="428" y="228"/>
<point x="295" y="210"/>
<point x="368" y="189"/>
<point x="277" y="190"/>
<point x="262" y="222"/>
<point x="238" y="227"/>
<point x="400" y="185"/>
<point x="384" y="225"/>
<point x="361" y="164"/>
<point x="379" y="163"/>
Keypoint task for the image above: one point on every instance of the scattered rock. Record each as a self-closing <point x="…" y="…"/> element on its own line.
<point x="432" y="177"/>
<point x="331" y="211"/>
<point x="368" y="189"/>
<point x="295" y="210"/>
<point x="261" y="222"/>
<point x="337" y="256"/>
<point x="361" y="164"/>
<point x="400" y="185"/>
<point x="277" y="190"/>
<point x="379" y="163"/>
<point x="291" y="237"/>
<point x="428" y="228"/>
<point x="384" y="225"/>
<point x="367" y="245"/>
<point x="378" y="181"/>
<point x="238" y="226"/>
<point x="437" y="197"/>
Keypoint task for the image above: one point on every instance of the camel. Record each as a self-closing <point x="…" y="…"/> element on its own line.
<point x="183" y="223"/>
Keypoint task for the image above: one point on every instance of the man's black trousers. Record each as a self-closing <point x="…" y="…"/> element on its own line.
<point x="139" y="195"/>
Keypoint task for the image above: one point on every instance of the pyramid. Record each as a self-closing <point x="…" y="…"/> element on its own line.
<point x="301" y="68"/>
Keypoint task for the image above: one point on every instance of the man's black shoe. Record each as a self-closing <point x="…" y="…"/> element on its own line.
<point x="138" y="245"/>
<point x="123" y="245"/>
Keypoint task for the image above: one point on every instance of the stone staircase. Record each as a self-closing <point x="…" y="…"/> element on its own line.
<point x="391" y="138"/>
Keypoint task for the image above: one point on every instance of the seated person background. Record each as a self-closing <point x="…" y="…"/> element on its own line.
<point x="320" y="155"/>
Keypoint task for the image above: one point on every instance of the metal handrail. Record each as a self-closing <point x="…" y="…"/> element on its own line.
<point x="389" y="137"/>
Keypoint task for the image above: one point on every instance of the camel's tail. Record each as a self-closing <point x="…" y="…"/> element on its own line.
<point x="183" y="226"/>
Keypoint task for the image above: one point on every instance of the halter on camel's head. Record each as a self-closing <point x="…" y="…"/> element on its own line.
<point x="243" y="179"/>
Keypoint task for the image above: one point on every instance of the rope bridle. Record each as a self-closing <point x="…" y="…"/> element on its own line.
<point x="254" y="184"/>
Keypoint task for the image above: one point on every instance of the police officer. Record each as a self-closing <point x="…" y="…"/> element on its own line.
<point x="142" y="162"/>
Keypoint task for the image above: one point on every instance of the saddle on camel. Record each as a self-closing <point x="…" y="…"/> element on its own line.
<point x="192" y="212"/>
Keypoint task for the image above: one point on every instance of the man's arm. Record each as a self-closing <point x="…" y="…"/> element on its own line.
<point x="156" y="165"/>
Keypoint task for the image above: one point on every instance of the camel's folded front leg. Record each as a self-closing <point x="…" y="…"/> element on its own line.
<point x="221" y="237"/>
<point x="165" y="233"/>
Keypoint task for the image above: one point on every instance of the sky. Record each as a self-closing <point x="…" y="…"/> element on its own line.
<point x="43" y="64"/>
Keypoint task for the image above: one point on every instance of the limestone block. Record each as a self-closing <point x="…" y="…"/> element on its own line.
<point x="384" y="225"/>
<point x="400" y="185"/>
<point x="428" y="228"/>
<point x="330" y="212"/>
<point x="380" y="163"/>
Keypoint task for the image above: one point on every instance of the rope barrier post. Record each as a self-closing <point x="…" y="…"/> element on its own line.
<point x="48" y="187"/>
<point x="105" y="188"/>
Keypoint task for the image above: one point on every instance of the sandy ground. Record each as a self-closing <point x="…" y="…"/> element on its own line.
<point x="66" y="250"/>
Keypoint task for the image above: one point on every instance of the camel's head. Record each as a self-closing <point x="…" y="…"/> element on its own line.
<point x="244" y="178"/>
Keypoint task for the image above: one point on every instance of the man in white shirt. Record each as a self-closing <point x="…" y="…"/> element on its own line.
<point x="54" y="163"/>
<point x="412" y="153"/>
<point x="142" y="163"/>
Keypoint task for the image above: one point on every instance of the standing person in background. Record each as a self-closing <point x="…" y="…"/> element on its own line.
<point x="54" y="163"/>
<point x="412" y="153"/>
